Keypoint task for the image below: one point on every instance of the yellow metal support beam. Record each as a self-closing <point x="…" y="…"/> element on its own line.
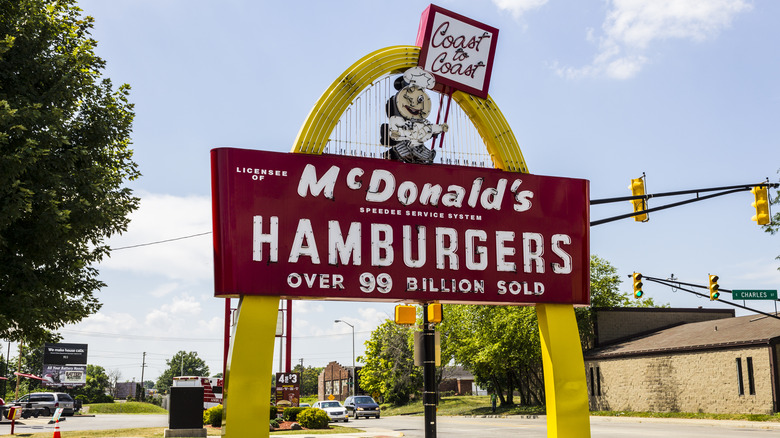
<point x="564" y="372"/>
<point x="247" y="390"/>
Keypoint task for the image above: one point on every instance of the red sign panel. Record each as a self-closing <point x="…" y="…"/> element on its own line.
<point x="344" y="228"/>
<point x="459" y="51"/>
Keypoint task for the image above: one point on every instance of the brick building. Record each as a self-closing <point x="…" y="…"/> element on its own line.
<point x="334" y="380"/>
<point x="684" y="360"/>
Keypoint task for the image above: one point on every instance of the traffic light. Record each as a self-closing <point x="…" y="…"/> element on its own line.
<point x="761" y="204"/>
<point x="638" y="189"/>
<point x="434" y="313"/>
<point x="714" y="287"/>
<point x="405" y="314"/>
<point x="637" y="277"/>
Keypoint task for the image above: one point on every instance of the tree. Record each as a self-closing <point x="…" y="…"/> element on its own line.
<point x="309" y="377"/>
<point x="500" y="344"/>
<point x="389" y="368"/>
<point x="113" y="377"/>
<point x="181" y="364"/>
<point x="605" y="293"/>
<point x="98" y="384"/>
<point x="64" y="158"/>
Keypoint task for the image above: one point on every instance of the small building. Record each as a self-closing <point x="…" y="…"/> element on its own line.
<point x="456" y="381"/>
<point x="684" y="360"/>
<point x="125" y="389"/>
<point x="335" y="380"/>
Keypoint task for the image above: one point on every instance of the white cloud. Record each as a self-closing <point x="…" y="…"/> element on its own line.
<point x="518" y="7"/>
<point x="631" y="26"/>
<point x="176" y="316"/>
<point x="164" y="217"/>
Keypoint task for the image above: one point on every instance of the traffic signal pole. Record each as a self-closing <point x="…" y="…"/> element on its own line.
<point x="722" y="191"/>
<point x="677" y="285"/>
<point x="429" y="375"/>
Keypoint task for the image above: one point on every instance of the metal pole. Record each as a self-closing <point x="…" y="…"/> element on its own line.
<point x="143" y="368"/>
<point x="354" y="375"/>
<point x="429" y="375"/>
<point x="226" y="338"/>
<point x="288" y="332"/>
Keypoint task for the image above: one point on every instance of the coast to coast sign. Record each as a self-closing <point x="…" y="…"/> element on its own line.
<point x="345" y="228"/>
<point x="458" y="51"/>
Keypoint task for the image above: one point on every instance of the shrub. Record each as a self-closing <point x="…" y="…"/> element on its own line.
<point x="274" y="411"/>
<point x="275" y="423"/>
<point x="213" y="416"/>
<point x="291" y="414"/>
<point x="313" y="418"/>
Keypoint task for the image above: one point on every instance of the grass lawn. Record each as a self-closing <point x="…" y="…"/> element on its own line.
<point x="123" y="408"/>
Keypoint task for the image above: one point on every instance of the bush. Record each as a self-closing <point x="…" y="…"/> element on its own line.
<point x="313" y="418"/>
<point x="291" y="414"/>
<point x="274" y="411"/>
<point x="275" y="423"/>
<point x="213" y="416"/>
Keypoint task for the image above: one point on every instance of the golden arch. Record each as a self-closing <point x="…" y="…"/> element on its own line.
<point x="564" y="368"/>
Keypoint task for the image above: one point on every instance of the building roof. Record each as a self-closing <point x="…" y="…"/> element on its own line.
<point x="705" y="335"/>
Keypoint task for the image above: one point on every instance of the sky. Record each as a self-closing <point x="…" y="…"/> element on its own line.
<point x="686" y="91"/>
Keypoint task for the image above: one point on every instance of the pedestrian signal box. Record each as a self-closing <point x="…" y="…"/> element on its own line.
<point x="405" y="314"/>
<point x="434" y="313"/>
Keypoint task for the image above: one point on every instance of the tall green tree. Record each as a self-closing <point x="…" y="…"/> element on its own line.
<point x="389" y="368"/>
<point x="181" y="364"/>
<point x="64" y="160"/>
<point x="309" y="377"/>
<point x="500" y="344"/>
<point x="604" y="293"/>
<point x="97" y="387"/>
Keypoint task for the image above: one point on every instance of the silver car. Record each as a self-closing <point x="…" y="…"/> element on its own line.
<point x="334" y="409"/>
<point x="46" y="402"/>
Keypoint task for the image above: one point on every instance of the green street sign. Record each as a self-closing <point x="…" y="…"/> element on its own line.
<point x="754" y="294"/>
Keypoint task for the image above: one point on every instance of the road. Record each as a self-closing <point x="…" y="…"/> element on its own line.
<point x="98" y="422"/>
<point x="601" y="427"/>
<point x="457" y="427"/>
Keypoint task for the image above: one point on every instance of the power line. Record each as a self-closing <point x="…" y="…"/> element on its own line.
<point x="161" y="241"/>
<point x="153" y="338"/>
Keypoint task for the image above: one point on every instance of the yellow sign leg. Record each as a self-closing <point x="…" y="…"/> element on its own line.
<point x="247" y="389"/>
<point x="564" y="372"/>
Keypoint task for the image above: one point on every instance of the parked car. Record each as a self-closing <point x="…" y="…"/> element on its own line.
<point x="304" y="405"/>
<point x="361" y="406"/>
<point x="333" y="408"/>
<point x="45" y="403"/>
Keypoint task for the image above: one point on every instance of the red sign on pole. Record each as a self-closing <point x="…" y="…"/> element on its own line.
<point x="360" y="229"/>
<point x="458" y="51"/>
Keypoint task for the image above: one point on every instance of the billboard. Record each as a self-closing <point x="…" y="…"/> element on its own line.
<point x="360" y="229"/>
<point x="65" y="354"/>
<point x="64" y="375"/>
<point x="64" y="365"/>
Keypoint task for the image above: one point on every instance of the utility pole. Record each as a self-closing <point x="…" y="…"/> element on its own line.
<point x="429" y="375"/>
<point x="143" y="368"/>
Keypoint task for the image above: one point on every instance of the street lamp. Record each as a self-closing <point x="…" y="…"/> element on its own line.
<point x="354" y="375"/>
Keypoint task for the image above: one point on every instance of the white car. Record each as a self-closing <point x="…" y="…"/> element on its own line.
<point x="334" y="409"/>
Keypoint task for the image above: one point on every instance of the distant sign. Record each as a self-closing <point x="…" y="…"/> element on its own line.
<point x="459" y="51"/>
<point x="64" y="375"/>
<point x="754" y="294"/>
<point x="288" y="388"/>
<point x="65" y="354"/>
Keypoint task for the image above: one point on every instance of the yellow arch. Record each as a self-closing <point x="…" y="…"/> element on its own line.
<point x="484" y="113"/>
<point x="564" y="367"/>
